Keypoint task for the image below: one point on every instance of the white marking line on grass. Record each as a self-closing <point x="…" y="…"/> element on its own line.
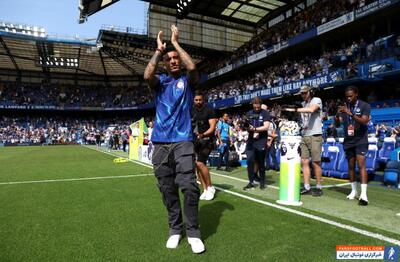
<point x="73" y="179"/>
<point x="317" y="218"/>
<point x="398" y="214"/>
<point x="221" y="175"/>
<point x="300" y="213"/>
<point x="239" y="179"/>
<point x="274" y="187"/>
<point x="111" y="154"/>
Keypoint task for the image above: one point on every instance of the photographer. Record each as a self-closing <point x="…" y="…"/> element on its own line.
<point x="311" y="142"/>
<point x="204" y="121"/>
<point x="224" y="140"/>
<point x="355" y="116"/>
<point x="257" y="124"/>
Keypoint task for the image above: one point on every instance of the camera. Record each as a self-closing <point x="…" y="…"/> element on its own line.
<point x="246" y="122"/>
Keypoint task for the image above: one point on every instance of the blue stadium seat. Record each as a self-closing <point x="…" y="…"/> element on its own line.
<point x="333" y="154"/>
<point x="391" y="175"/>
<point x="372" y="140"/>
<point x="387" y="147"/>
<point x="325" y="150"/>
<point x="371" y="159"/>
<point x="331" y="141"/>
<point x="342" y="170"/>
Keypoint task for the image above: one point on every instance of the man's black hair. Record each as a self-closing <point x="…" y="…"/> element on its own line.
<point x="351" y="88"/>
<point x="199" y="93"/>
<point x="168" y="49"/>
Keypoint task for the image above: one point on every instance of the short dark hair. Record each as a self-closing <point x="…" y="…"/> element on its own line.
<point x="199" y="93"/>
<point x="351" y="88"/>
<point x="256" y="100"/>
<point x="168" y="49"/>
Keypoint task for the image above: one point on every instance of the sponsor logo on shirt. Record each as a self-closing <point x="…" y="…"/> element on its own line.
<point x="180" y="84"/>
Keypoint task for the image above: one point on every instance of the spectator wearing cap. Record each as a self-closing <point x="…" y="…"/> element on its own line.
<point x="311" y="143"/>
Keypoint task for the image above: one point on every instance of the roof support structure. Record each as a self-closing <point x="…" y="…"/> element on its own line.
<point x="120" y="61"/>
<point x="3" y="44"/>
<point x="41" y="48"/>
<point x="76" y="71"/>
<point x="104" y="66"/>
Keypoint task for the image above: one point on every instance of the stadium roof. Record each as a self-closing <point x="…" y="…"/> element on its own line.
<point x="115" y="54"/>
<point x="90" y="7"/>
<point x="122" y="44"/>
<point x="247" y="12"/>
<point x="222" y="25"/>
<point x="25" y="53"/>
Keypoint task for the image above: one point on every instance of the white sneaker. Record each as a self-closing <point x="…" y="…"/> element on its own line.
<point x="363" y="197"/>
<point x="196" y="244"/>
<point x="210" y="193"/>
<point x="352" y="195"/>
<point x="203" y="196"/>
<point x="173" y="241"/>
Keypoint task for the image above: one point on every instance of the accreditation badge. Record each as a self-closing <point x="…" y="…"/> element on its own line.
<point x="350" y="130"/>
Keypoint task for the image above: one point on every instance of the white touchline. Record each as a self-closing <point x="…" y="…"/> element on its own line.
<point x="293" y="211"/>
<point x="269" y="186"/>
<point x="221" y="175"/>
<point x="239" y="179"/>
<point x="72" y="179"/>
<point x="317" y="218"/>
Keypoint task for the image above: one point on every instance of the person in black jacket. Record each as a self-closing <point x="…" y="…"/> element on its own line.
<point x="204" y="121"/>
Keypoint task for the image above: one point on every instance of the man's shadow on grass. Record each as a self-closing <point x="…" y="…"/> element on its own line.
<point x="210" y="216"/>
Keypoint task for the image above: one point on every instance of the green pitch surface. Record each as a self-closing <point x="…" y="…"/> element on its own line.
<point x="74" y="204"/>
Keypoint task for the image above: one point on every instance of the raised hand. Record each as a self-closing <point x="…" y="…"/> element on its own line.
<point x="160" y="45"/>
<point x="175" y="34"/>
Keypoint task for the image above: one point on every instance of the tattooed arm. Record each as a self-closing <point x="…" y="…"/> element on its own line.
<point x="150" y="73"/>
<point x="193" y="75"/>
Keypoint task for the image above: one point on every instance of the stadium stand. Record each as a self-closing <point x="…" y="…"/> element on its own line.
<point x="105" y="76"/>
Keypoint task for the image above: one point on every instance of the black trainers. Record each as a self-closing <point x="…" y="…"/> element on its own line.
<point x="248" y="186"/>
<point x="304" y="191"/>
<point x="228" y="169"/>
<point x="317" y="192"/>
<point x="362" y="202"/>
<point x="262" y="187"/>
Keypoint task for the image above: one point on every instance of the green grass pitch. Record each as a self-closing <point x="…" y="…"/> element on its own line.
<point x="77" y="205"/>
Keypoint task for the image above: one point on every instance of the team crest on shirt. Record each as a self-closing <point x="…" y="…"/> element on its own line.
<point x="358" y="110"/>
<point x="180" y="84"/>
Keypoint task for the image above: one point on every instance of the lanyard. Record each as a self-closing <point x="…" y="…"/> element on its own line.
<point x="353" y="111"/>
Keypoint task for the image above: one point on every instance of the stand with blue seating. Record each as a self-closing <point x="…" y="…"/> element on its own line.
<point x="391" y="175"/>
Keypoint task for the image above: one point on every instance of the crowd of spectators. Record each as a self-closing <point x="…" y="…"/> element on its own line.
<point x="19" y="94"/>
<point x="345" y="58"/>
<point x="319" y="13"/>
<point x="59" y="130"/>
<point x="114" y="134"/>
